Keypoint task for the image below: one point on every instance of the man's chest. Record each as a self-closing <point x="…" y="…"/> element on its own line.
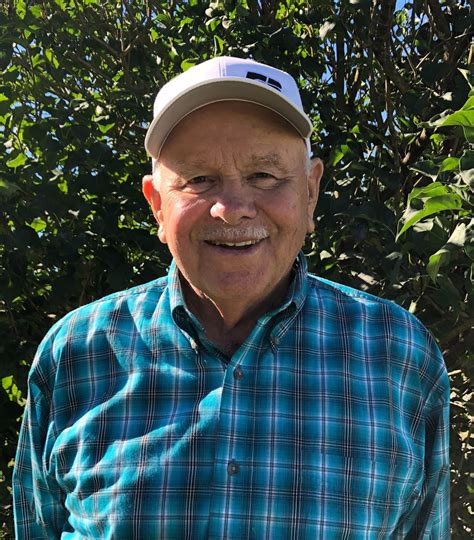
<point x="276" y="443"/>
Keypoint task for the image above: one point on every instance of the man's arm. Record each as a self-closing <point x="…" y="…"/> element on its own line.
<point x="430" y="519"/>
<point x="37" y="500"/>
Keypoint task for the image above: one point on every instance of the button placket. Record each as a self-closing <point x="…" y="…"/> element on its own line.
<point x="238" y="373"/>
<point x="233" y="467"/>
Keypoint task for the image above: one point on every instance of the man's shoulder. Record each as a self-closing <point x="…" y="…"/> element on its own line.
<point x="369" y="322"/>
<point x="366" y="314"/>
<point x="112" y="327"/>
<point x="114" y="309"/>
<point x="324" y="289"/>
<point x="132" y="296"/>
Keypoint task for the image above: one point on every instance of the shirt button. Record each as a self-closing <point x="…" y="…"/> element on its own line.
<point x="233" y="467"/>
<point x="238" y="373"/>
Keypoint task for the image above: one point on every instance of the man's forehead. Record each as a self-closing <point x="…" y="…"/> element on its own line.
<point x="262" y="158"/>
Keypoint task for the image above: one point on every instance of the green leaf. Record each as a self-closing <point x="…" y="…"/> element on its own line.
<point x="188" y="63"/>
<point x="467" y="177"/>
<point x="339" y="153"/>
<point x="218" y="44"/>
<point x="469" y="249"/>
<point x="35" y="11"/>
<point x="106" y="127"/>
<point x="51" y="57"/>
<point x="427" y="168"/>
<point x="443" y="256"/>
<point x="463" y="118"/>
<point x="21" y="8"/>
<point x="38" y="224"/>
<point x="18" y="161"/>
<point x="431" y="72"/>
<point x="469" y="105"/>
<point x="7" y="189"/>
<point x="438" y="138"/>
<point x="468" y="133"/>
<point x="466" y="168"/>
<point x="6" y="53"/>
<point x="37" y="60"/>
<point x="467" y="160"/>
<point x="426" y="201"/>
<point x="449" y="164"/>
<point x="7" y="382"/>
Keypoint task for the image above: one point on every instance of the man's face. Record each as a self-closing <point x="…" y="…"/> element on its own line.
<point x="234" y="200"/>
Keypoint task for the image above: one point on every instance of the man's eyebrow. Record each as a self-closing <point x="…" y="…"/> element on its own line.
<point x="271" y="159"/>
<point x="184" y="166"/>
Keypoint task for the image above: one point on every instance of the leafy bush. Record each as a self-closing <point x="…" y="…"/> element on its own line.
<point x="388" y="89"/>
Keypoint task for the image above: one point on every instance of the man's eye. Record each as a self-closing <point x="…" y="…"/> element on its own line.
<point x="198" y="184"/>
<point x="198" y="180"/>
<point x="264" y="180"/>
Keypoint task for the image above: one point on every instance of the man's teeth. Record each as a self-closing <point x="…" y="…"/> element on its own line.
<point x="236" y="244"/>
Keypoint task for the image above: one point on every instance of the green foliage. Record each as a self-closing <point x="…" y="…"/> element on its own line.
<point x="389" y="94"/>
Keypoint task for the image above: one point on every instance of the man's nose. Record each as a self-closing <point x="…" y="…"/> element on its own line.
<point x="233" y="205"/>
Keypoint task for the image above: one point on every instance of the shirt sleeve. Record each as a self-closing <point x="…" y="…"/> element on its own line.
<point x="430" y="519"/>
<point x="38" y="502"/>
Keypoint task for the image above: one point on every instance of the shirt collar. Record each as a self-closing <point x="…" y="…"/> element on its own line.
<point x="292" y="304"/>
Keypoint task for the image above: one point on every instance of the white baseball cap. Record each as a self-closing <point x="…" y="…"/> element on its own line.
<point x="225" y="78"/>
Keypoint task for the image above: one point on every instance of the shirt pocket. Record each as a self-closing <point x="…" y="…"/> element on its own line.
<point x="359" y="496"/>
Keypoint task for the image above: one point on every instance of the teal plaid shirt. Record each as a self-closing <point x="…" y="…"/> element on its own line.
<point x="329" y="422"/>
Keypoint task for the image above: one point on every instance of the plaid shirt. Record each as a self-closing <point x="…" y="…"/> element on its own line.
<point x="329" y="422"/>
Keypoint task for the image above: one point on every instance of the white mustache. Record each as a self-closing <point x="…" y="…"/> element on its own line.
<point x="238" y="234"/>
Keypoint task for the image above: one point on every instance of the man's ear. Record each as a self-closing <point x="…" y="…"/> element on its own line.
<point x="152" y="195"/>
<point x="314" y="180"/>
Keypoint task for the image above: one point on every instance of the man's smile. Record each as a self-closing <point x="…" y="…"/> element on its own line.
<point x="242" y="244"/>
<point x="245" y="245"/>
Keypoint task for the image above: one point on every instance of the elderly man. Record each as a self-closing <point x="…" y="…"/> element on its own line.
<point x="239" y="397"/>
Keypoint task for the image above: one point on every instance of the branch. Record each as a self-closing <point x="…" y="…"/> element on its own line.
<point x="354" y="89"/>
<point x="90" y="67"/>
<point x="416" y="148"/>
<point x="375" y="96"/>
<point x="466" y="326"/>
<point x="391" y="125"/>
<point x="460" y="49"/>
<point x="12" y="321"/>
<point x="340" y="71"/>
<point x="254" y="7"/>
<point x="440" y="23"/>
<point x="380" y="34"/>
<point x="105" y="45"/>
<point x="269" y="11"/>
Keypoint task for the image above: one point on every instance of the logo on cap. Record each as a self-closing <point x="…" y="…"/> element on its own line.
<point x="267" y="80"/>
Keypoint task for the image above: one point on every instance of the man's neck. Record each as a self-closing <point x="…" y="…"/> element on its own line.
<point x="228" y="323"/>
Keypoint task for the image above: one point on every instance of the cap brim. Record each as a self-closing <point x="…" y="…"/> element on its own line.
<point x="214" y="90"/>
